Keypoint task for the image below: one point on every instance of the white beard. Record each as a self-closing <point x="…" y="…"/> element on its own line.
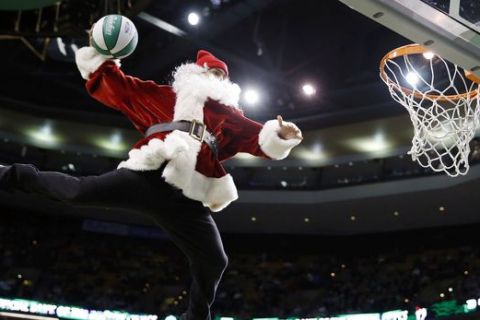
<point x="193" y="86"/>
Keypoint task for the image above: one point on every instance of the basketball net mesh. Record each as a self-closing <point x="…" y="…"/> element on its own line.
<point x="443" y="107"/>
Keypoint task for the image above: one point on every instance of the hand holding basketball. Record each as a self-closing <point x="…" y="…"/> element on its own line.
<point x="90" y="41"/>
<point x="114" y="36"/>
<point x="287" y="131"/>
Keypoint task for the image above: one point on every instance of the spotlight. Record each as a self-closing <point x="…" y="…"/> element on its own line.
<point x="308" y="89"/>
<point x="251" y="96"/>
<point x="193" y="18"/>
<point x="412" y="78"/>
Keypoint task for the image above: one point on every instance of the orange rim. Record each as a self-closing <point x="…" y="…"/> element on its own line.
<point x="412" y="49"/>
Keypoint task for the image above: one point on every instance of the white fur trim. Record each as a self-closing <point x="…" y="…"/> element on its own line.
<point x="192" y="80"/>
<point x="88" y="60"/>
<point x="152" y="155"/>
<point x="271" y="144"/>
<point x="181" y="151"/>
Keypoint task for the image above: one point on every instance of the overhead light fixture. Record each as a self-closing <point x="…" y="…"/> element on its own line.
<point x="251" y="96"/>
<point x="193" y="18"/>
<point x="308" y="89"/>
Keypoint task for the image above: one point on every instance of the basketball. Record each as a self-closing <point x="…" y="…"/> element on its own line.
<point x="114" y="36"/>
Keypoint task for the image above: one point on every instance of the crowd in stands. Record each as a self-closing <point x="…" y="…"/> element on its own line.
<point x="53" y="259"/>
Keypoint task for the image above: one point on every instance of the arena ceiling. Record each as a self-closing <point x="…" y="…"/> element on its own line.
<point x="273" y="46"/>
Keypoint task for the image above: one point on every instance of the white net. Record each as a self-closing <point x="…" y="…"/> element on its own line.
<point x="442" y="103"/>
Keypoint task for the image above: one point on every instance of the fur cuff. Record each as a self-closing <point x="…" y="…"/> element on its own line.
<point x="271" y="144"/>
<point x="89" y="60"/>
<point x="221" y="193"/>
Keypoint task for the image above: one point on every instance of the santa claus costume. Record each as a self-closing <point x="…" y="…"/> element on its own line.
<point x="174" y="173"/>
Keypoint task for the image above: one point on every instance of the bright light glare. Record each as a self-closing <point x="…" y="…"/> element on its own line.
<point x="412" y="78"/>
<point x="193" y="18"/>
<point x="309" y="89"/>
<point x="312" y="154"/>
<point x="375" y="144"/>
<point x="471" y="304"/>
<point x="116" y="138"/>
<point x="251" y="96"/>
<point x="428" y="55"/>
<point x="44" y="135"/>
<point x="114" y="143"/>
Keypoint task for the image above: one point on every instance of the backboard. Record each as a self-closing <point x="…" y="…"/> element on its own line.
<point x="450" y="28"/>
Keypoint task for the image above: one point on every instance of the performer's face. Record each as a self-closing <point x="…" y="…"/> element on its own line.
<point x="219" y="73"/>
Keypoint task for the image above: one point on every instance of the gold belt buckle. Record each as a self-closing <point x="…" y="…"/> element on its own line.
<point x="193" y="130"/>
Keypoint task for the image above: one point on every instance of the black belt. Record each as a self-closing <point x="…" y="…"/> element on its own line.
<point x="195" y="129"/>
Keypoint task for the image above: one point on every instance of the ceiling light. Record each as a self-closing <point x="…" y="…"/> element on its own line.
<point x="251" y="96"/>
<point x="193" y="18"/>
<point x="308" y="89"/>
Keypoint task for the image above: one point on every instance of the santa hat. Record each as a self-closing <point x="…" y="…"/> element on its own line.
<point x="205" y="58"/>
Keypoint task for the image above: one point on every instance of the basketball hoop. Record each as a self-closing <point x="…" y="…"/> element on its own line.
<point x="442" y="100"/>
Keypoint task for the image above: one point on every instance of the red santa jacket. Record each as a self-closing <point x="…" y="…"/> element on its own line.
<point x="191" y="167"/>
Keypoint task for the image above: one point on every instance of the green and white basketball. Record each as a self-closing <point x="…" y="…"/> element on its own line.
<point x="114" y="36"/>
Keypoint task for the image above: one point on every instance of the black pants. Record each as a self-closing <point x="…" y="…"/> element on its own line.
<point x="189" y="224"/>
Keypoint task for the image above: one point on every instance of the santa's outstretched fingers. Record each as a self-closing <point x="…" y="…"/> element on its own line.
<point x="288" y="131"/>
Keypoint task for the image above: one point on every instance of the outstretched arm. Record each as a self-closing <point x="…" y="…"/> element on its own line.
<point x="273" y="140"/>
<point x="133" y="97"/>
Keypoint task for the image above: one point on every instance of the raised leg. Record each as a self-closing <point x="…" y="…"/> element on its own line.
<point x="119" y="188"/>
